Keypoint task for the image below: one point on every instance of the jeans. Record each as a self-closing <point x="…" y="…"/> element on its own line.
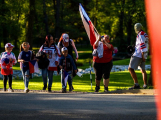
<point x="69" y="79"/>
<point x="25" y="74"/>
<point x="46" y="72"/>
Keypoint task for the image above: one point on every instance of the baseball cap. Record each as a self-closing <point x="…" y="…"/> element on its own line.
<point x="64" y="49"/>
<point x="8" y="45"/>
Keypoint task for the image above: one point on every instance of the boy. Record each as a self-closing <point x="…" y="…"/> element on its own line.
<point x="67" y="64"/>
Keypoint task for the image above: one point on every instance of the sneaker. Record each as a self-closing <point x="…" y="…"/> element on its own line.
<point x="134" y="87"/>
<point x="144" y="86"/>
<point x="26" y="90"/>
<point x="4" y="89"/>
<point x="70" y="88"/>
<point x="49" y="89"/>
<point x="97" y="89"/>
<point x="106" y="89"/>
<point x="64" y="90"/>
<point x="10" y="90"/>
<point x="45" y="86"/>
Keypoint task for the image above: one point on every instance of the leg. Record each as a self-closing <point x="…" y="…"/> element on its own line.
<point x="44" y="77"/>
<point x="50" y="80"/>
<point x="10" y="81"/>
<point x="133" y="75"/>
<point x="4" y="82"/>
<point x="26" y="79"/>
<point x="70" y="83"/>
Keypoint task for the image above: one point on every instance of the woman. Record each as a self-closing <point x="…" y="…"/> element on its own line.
<point x="102" y="62"/>
<point x="53" y="54"/>
<point x="64" y="41"/>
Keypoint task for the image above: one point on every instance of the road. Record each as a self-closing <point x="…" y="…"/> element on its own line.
<point x="71" y="106"/>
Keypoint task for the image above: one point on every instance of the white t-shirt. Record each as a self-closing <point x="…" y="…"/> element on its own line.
<point x="141" y="45"/>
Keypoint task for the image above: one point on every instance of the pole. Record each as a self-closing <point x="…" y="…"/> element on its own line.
<point x="90" y="73"/>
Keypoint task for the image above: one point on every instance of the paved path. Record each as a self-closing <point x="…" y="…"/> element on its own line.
<point x="71" y="106"/>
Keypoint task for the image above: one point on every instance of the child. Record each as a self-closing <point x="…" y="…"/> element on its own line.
<point x="24" y="57"/>
<point x="67" y="64"/>
<point x="7" y="60"/>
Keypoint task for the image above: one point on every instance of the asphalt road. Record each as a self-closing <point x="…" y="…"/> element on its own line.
<point x="71" y="106"/>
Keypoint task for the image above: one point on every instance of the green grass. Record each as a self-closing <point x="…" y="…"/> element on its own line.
<point x="118" y="80"/>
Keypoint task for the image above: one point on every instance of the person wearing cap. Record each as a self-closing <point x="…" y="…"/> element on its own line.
<point x="139" y="56"/>
<point x="53" y="54"/>
<point x="67" y="64"/>
<point x="102" y="61"/>
<point x="7" y="60"/>
<point x="64" y="41"/>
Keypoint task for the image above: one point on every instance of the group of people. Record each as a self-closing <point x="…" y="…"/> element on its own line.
<point x="54" y="57"/>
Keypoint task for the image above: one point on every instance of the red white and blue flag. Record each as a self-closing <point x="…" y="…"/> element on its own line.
<point x="65" y="77"/>
<point x="33" y="66"/>
<point x="89" y="27"/>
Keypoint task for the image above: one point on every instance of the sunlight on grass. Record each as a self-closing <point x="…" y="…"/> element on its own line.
<point x="118" y="80"/>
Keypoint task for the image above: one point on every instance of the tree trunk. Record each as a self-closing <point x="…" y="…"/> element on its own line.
<point x="57" y="17"/>
<point x="45" y="18"/>
<point x="30" y="21"/>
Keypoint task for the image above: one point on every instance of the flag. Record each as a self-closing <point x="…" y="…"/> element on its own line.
<point x="65" y="77"/>
<point x="89" y="27"/>
<point x="33" y="66"/>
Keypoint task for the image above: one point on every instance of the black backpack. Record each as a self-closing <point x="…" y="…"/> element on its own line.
<point x="43" y="60"/>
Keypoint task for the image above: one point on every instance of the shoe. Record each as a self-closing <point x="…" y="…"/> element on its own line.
<point x="145" y="86"/>
<point x="10" y="90"/>
<point x="64" y="90"/>
<point x="45" y="86"/>
<point x="134" y="87"/>
<point x="4" y="89"/>
<point x="49" y="89"/>
<point x="26" y="90"/>
<point x="70" y="88"/>
<point x="97" y="89"/>
<point x="106" y="89"/>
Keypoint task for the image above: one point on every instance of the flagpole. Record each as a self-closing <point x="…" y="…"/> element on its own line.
<point x="90" y="74"/>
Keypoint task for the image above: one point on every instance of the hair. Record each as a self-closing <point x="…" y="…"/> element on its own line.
<point x="61" y="38"/>
<point x="21" y="46"/>
<point x="47" y="40"/>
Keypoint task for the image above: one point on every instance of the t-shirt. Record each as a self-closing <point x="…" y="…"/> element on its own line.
<point x="141" y="45"/>
<point x="107" y="54"/>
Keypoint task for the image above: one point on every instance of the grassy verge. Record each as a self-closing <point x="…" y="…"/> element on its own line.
<point x="118" y="80"/>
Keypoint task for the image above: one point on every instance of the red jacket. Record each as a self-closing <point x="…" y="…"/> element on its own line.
<point x="107" y="54"/>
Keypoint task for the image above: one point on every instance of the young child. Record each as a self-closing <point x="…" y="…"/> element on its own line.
<point x="24" y="57"/>
<point x="67" y="64"/>
<point x="7" y="60"/>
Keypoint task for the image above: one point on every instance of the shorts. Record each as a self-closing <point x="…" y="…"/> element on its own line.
<point x="135" y="62"/>
<point x="102" y="70"/>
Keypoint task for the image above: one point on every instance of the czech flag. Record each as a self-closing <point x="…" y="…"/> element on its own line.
<point x="89" y="27"/>
<point x="33" y="66"/>
<point x="65" y="77"/>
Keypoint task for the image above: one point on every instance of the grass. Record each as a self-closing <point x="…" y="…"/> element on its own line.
<point x="118" y="80"/>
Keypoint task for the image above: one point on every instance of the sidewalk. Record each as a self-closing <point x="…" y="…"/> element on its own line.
<point x="138" y="91"/>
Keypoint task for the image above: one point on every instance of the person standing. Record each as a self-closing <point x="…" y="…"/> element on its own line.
<point x="7" y="60"/>
<point x="102" y="61"/>
<point x="53" y="54"/>
<point x="139" y="57"/>
<point x="24" y="57"/>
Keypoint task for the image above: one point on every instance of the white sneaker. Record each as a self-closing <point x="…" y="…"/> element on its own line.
<point x="26" y="90"/>
<point x="10" y="90"/>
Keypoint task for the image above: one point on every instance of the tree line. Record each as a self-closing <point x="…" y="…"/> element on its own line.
<point x="32" y="20"/>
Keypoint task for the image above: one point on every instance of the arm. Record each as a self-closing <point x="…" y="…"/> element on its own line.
<point x="97" y="41"/>
<point x="107" y="44"/>
<point x="19" y="58"/>
<point x="58" y="55"/>
<point x="75" y="50"/>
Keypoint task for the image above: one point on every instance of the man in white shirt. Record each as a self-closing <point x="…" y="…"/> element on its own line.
<point x="139" y="57"/>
